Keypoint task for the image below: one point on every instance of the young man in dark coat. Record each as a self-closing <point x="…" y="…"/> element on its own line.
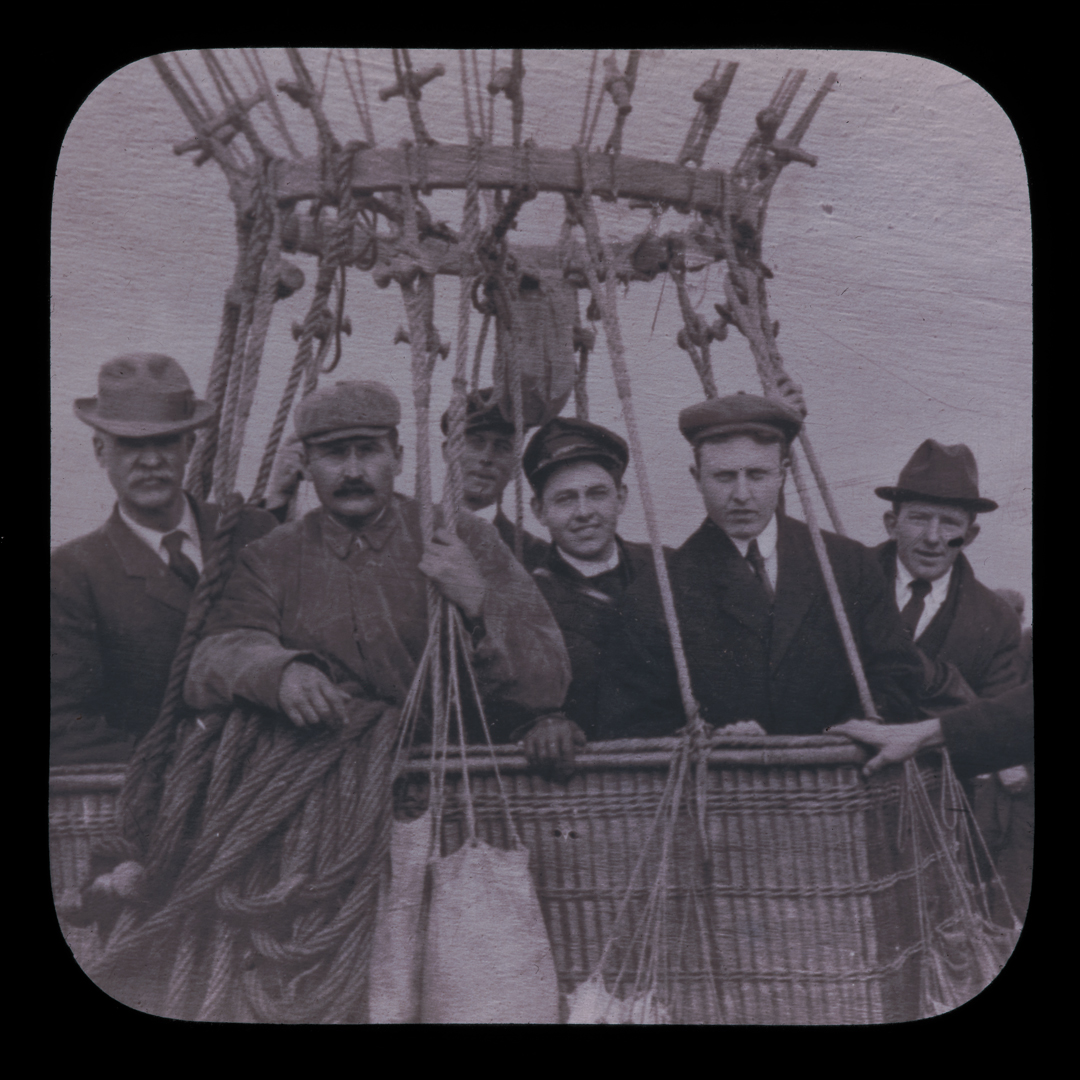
<point x="758" y="629"/>
<point x="576" y="471"/>
<point x="120" y="595"/>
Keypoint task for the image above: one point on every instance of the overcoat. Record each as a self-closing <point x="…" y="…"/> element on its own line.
<point x="358" y="609"/>
<point x="974" y="629"/>
<point x="117" y="613"/>
<point x="588" y="616"/>
<point x="786" y="669"/>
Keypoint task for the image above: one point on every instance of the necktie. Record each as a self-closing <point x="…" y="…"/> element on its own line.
<point x="757" y="564"/>
<point x="913" y="609"/>
<point x="179" y="563"/>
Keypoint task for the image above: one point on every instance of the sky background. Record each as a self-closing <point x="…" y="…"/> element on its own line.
<point x="902" y="268"/>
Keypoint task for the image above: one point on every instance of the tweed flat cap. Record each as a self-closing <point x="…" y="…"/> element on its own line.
<point x="940" y="474"/>
<point x="481" y="414"/>
<point x="345" y="410"/>
<point x="566" y="439"/>
<point x="738" y="414"/>
<point x="141" y="395"/>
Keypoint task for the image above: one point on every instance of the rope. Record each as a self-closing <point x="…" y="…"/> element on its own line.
<point x="613" y="334"/>
<point x="142" y="783"/>
<point x="257" y="69"/>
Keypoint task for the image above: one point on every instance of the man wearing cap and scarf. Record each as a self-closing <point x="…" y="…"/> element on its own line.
<point x="488" y="463"/>
<point x="758" y="629"/>
<point x="120" y="595"/>
<point x="576" y="471"/>
<point x="334" y="605"/>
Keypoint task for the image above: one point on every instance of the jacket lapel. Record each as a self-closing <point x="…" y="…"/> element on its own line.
<point x="722" y="577"/>
<point x="932" y="639"/>
<point x="799" y="584"/>
<point x="139" y="561"/>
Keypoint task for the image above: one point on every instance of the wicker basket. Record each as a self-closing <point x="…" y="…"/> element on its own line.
<point x="809" y="898"/>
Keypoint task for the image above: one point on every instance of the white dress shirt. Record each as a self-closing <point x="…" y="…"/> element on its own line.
<point x="766" y="545"/>
<point x="591" y="569"/>
<point x="153" y="539"/>
<point x="489" y="513"/>
<point x="934" y="598"/>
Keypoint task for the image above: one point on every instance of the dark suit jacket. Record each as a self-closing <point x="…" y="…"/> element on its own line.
<point x="974" y="629"/>
<point x="787" y="670"/>
<point x="117" y="613"/>
<point x="993" y="733"/>
<point x="587" y="617"/>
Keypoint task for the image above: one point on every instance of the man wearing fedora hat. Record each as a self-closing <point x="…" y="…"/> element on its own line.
<point x="951" y="617"/>
<point x="488" y="463"/>
<point x="120" y="594"/>
<point x="758" y="629"/>
<point x="334" y="606"/>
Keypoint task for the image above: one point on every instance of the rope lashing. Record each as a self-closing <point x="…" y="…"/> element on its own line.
<point x="609" y="315"/>
<point x="710" y="96"/>
<point x="508" y="81"/>
<point x="696" y="334"/>
<point x="408" y="86"/>
<point x="620" y="85"/>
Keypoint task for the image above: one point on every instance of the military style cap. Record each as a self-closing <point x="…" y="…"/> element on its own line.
<point x="345" y="410"/>
<point x="738" y="414"/>
<point x="566" y="439"/>
<point x="940" y="474"/>
<point x="481" y="414"/>
<point x="141" y="395"/>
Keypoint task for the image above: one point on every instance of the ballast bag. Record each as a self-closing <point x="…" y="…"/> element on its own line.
<point x="397" y="949"/>
<point x="488" y="959"/>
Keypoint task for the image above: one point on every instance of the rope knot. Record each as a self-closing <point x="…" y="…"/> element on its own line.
<point x="618" y="86"/>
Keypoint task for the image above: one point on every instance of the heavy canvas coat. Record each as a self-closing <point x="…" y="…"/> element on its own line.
<point x="533" y="549"/>
<point x="974" y="629"/>
<point x="117" y="613"/>
<point x="788" y="670"/>
<point x="359" y="610"/>
<point x="588" y="618"/>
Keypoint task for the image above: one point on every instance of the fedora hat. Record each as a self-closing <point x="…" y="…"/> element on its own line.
<point x="940" y="474"/>
<point x="141" y="395"/>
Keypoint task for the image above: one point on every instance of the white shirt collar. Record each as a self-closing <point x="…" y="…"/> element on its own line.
<point x="153" y="539"/>
<point x="591" y="569"/>
<point x="938" y="589"/>
<point x="766" y="541"/>
<point x="489" y="513"/>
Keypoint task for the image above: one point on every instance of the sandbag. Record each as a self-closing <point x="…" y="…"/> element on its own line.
<point x="542" y="344"/>
<point x="397" y="949"/>
<point x="590" y="1003"/>
<point x="487" y="958"/>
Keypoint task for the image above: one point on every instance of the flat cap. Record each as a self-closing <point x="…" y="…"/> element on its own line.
<point x="345" y="410"/>
<point x="566" y="439"/>
<point x="738" y="414"/>
<point x="481" y="414"/>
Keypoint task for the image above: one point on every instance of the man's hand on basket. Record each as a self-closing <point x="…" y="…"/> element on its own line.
<point x="450" y="564"/>
<point x="895" y="742"/>
<point x="308" y="697"/>
<point x="553" y="742"/>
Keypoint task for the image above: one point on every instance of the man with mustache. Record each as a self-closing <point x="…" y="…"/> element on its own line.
<point x="333" y="607"/>
<point x="488" y="464"/>
<point x="120" y="594"/>
<point x="758" y="629"/>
